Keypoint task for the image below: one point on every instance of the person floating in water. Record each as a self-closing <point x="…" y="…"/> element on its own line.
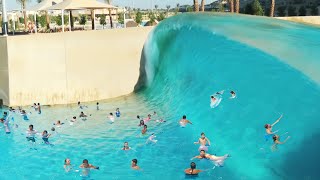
<point x="203" y="140"/>
<point x="233" y="95"/>
<point x="268" y="127"/>
<point x="111" y="118"/>
<point x="183" y="122"/>
<point x="276" y="141"/>
<point x="118" y="113"/>
<point x="141" y="123"/>
<point x="219" y="160"/>
<point x="45" y="137"/>
<point x="82" y="115"/>
<point x="73" y="120"/>
<point x="145" y="129"/>
<point x="152" y="139"/>
<point x="67" y="165"/>
<point x="134" y="164"/>
<point x="147" y="119"/>
<point x="58" y="123"/>
<point x="126" y="146"/>
<point x="31" y="135"/>
<point x="24" y="115"/>
<point x="192" y="170"/>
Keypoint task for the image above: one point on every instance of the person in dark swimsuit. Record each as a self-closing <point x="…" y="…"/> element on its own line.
<point x="192" y="170"/>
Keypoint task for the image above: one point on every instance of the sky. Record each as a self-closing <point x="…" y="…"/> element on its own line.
<point x="143" y="4"/>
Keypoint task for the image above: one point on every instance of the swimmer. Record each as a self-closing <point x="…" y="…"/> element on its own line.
<point x="31" y="134"/>
<point x="82" y="115"/>
<point x="203" y="140"/>
<point x="11" y="109"/>
<point x="24" y="115"/>
<point x="233" y="95"/>
<point x="117" y="112"/>
<point x="67" y="165"/>
<point x="147" y="119"/>
<point x="151" y="139"/>
<point x="81" y="106"/>
<point x="183" y="122"/>
<point x="39" y="108"/>
<point x="141" y="123"/>
<point x="138" y="117"/>
<point x="268" y="128"/>
<point x="134" y="164"/>
<point x="213" y="100"/>
<point x="85" y="164"/>
<point x="35" y="106"/>
<point x="45" y="137"/>
<point x="192" y="170"/>
<point x="111" y="118"/>
<point x="217" y="159"/>
<point x="161" y="120"/>
<point x="58" y="123"/>
<point x="74" y="119"/>
<point x="98" y="106"/>
<point x="276" y="141"/>
<point x="144" y="130"/>
<point x="126" y="146"/>
<point x="6" y="125"/>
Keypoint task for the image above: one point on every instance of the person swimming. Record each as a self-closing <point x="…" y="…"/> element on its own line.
<point x="144" y="130"/>
<point x="233" y="95"/>
<point x="73" y="120"/>
<point x="31" y="134"/>
<point x="276" y="141"/>
<point x="183" y="122"/>
<point x="126" y="146"/>
<point x="82" y="115"/>
<point x="147" y="119"/>
<point x="268" y="127"/>
<point x="134" y="164"/>
<point x="24" y="115"/>
<point x="67" y="165"/>
<point x="192" y="170"/>
<point x="111" y="118"/>
<point x="203" y="140"/>
<point x="219" y="160"/>
<point x="118" y="113"/>
<point x="85" y="164"/>
<point x="45" y="137"/>
<point x="141" y="123"/>
<point x="58" y="123"/>
<point x="151" y="139"/>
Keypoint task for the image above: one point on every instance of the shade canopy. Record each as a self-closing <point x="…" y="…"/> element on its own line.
<point x="80" y="4"/>
<point x="44" y="5"/>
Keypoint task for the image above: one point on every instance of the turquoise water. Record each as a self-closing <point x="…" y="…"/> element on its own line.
<point x="185" y="60"/>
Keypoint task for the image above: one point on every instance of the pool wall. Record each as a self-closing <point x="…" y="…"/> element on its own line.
<point x="64" y="68"/>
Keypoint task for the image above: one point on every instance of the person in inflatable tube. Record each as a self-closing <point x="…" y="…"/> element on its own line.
<point x="203" y="140"/>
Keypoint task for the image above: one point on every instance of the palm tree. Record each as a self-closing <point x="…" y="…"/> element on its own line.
<point x="237" y="6"/>
<point x="272" y="8"/>
<point x="168" y="8"/>
<point x="178" y="7"/>
<point x="47" y="16"/>
<point x="110" y="13"/>
<point x="156" y="7"/>
<point x="23" y="7"/>
<point x="202" y="5"/>
<point x="196" y="5"/>
<point x="231" y="6"/>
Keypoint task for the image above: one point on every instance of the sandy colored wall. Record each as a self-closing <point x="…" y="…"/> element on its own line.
<point x="68" y="67"/>
<point x="303" y="19"/>
<point x="4" y="79"/>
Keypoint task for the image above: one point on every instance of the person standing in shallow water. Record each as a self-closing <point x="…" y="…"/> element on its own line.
<point x="67" y="165"/>
<point x="192" y="170"/>
<point x="183" y="122"/>
<point x="203" y="140"/>
<point x="98" y="106"/>
<point x="118" y="113"/>
<point x="134" y="164"/>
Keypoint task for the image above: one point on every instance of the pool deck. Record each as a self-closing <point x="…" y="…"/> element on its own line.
<point x="315" y="20"/>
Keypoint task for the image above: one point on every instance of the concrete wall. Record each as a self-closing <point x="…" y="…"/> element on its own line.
<point x="4" y="79"/>
<point x="68" y="67"/>
<point x="303" y="19"/>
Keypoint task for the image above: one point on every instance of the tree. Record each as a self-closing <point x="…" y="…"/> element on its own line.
<point x="42" y="21"/>
<point x="23" y="7"/>
<point x="231" y="6"/>
<point x="83" y="20"/>
<point x="254" y="8"/>
<point x="302" y="11"/>
<point x="103" y="20"/>
<point x="110" y="12"/>
<point x="59" y="20"/>
<point x="152" y="17"/>
<point x="161" y="17"/>
<point x="189" y="9"/>
<point x="138" y="17"/>
<point x="237" y="6"/>
<point x="292" y="11"/>
<point x="282" y="11"/>
<point x="168" y="8"/>
<point x="196" y="5"/>
<point x="156" y="7"/>
<point x="121" y="18"/>
<point x="202" y="5"/>
<point x="272" y="8"/>
<point x="177" y="8"/>
<point x="314" y="11"/>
